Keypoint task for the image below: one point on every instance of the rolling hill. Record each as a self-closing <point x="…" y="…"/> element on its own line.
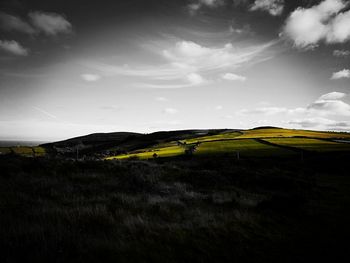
<point x="257" y="142"/>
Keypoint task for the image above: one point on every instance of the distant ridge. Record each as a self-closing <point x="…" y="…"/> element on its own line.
<point x="94" y="139"/>
<point x="266" y="127"/>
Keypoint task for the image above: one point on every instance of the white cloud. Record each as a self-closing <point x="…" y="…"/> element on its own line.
<point x="14" y="23"/>
<point x="333" y="96"/>
<point x="234" y="77"/>
<point x="321" y="123"/>
<point x="50" y="23"/>
<point x="327" y="105"/>
<point x="325" y="113"/>
<point x="219" y="107"/>
<point x="195" y="6"/>
<point x="13" y="47"/>
<point x="341" y="53"/>
<point x="345" y="73"/>
<point x="161" y="99"/>
<point x="90" y="77"/>
<point x="212" y="3"/>
<point x="326" y="22"/>
<point x="246" y="30"/>
<point x="273" y="7"/>
<point x="340" y="28"/>
<point x="195" y="79"/>
<point x="170" y="111"/>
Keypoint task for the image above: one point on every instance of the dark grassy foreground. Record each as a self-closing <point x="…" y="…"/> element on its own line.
<point x="181" y="210"/>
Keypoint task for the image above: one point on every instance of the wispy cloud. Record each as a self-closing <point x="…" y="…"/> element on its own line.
<point x="333" y="96"/>
<point x="187" y="62"/>
<point x="198" y="4"/>
<point x="13" y="47"/>
<point x="192" y="56"/>
<point x="170" y="111"/>
<point x="161" y="99"/>
<point x="48" y="114"/>
<point x="234" y="77"/>
<point x="50" y="23"/>
<point x="15" y="23"/>
<point x="341" y="53"/>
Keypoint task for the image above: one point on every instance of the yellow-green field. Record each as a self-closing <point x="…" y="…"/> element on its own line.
<point x="5" y="150"/>
<point x="310" y="144"/>
<point x="222" y="136"/>
<point x="245" y="147"/>
<point x="23" y="151"/>
<point x="285" y="133"/>
<point x="149" y="153"/>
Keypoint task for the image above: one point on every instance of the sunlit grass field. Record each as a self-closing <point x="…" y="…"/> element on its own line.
<point x="5" y="150"/>
<point x="222" y="136"/>
<point x="245" y="147"/>
<point x="310" y="144"/>
<point x="285" y="133"/>
<point x="25" y="151"/>
<point x="150" y="153"/>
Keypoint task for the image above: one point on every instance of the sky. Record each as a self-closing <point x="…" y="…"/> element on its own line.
<point x="70" y="68"/>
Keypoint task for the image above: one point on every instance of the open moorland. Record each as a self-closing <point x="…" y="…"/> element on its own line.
<point x="261" y="195"/>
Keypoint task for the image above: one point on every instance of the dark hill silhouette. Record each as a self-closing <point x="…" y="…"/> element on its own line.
<point x="122" y="141"/>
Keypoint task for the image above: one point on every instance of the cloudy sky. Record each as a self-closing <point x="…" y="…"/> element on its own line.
<point x="70" y="68"/>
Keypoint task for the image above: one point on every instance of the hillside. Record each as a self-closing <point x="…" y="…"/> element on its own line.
<point x="258" y="142"/>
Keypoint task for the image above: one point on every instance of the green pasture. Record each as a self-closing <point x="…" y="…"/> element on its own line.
<point x="222" y="136"/>
<point x="39" y="151"/>
<point x="245" y="147"/>
<point x="285" y="133"/>
<point x="149" y="153"/>
<point x="310" y="144"/>
<point x="23" y="151"/>
<point x="5" y="150"/>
